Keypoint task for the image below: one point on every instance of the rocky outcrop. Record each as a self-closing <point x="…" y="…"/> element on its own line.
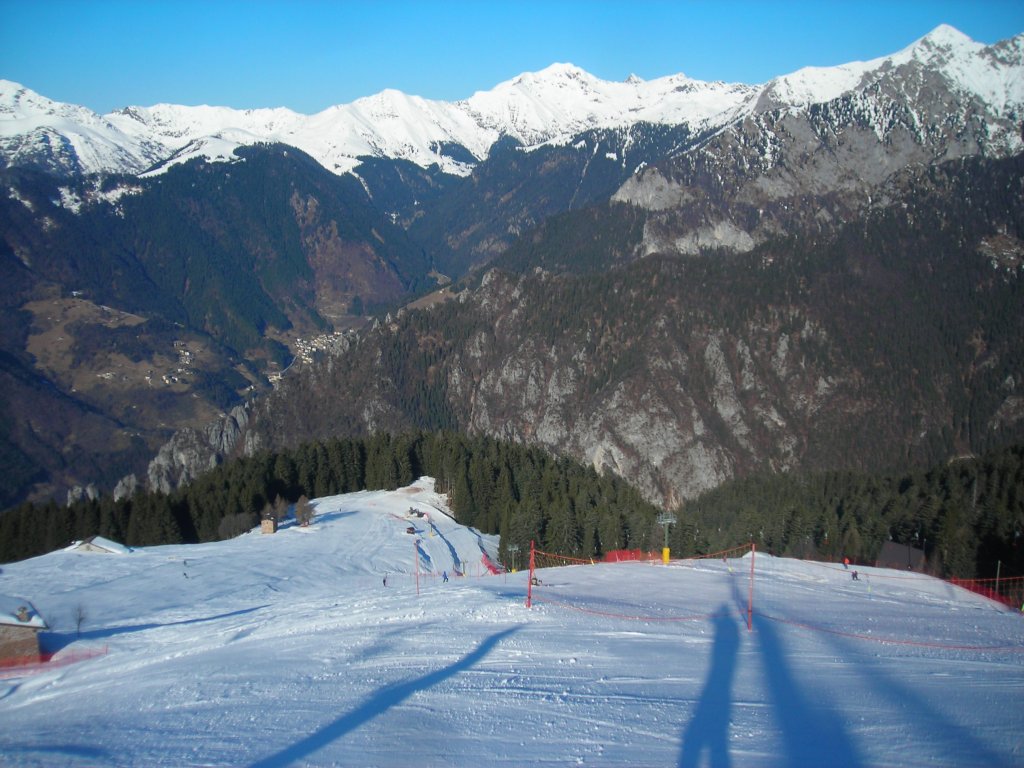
<point x="126" y="487"/>
<point x="190" y="452"/>
<point x="78" y="493"/>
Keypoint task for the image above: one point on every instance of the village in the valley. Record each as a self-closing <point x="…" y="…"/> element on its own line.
<point x="305" y="350"/>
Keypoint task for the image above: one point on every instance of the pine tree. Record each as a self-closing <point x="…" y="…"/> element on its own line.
<point x="303" y="511"/>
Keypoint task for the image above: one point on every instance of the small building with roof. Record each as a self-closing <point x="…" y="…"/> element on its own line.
<point x="902" y="557"/>
<point x="20" y="625"/>
<point x="100" y="545"/>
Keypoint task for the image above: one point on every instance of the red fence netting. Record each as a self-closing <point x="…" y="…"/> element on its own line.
<point x="32" y="664"/>
<point x="1008" y="591"/>
<point x="540" y="559"/>
<point x="628" y="555"/>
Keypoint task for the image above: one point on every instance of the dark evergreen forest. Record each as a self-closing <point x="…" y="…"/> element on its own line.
<point x="967" y="515"/>
<point x="500" y="487"/>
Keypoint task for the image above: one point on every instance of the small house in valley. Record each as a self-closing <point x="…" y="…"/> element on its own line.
<point x="20" y="625"/>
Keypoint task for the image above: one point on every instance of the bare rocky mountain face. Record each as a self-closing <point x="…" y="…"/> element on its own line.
<point x="786" y="168"/>
<point x="819" y="272"/>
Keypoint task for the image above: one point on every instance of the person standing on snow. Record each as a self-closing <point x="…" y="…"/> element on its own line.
<point x="444" y="576"/>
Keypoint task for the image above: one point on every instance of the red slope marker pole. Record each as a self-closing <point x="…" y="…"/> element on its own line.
<point x="529" y="583"/>
<point x="750" y="593"/>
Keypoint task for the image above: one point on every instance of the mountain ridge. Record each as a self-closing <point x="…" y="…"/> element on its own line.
<point x="534" y="108"/>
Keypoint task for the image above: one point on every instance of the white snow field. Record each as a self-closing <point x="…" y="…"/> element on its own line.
<point x="288" y="649"/>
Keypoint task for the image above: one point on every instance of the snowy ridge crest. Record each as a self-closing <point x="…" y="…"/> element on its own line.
<point x="534" y="108"/>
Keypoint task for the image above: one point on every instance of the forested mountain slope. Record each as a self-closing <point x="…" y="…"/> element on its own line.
<point x="893" y="343"/>
<point x="135" y="307"/>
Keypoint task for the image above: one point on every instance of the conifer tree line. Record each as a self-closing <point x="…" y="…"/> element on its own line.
<point x="966" y="515"/>
<point x="522" y="493"/>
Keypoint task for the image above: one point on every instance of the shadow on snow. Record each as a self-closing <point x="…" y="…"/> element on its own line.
<point x="378" y="704"/>
<point x="959" y="745"/>
<point x="709" y="726"/>
<point x="51" y="642"/>
<point x="812" y="733"/>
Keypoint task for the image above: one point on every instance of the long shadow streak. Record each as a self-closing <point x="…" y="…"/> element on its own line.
<point x="959" y="743"/>
<point x="377" y="704"/>
<point x="811" y="732"/>
<point x="51" y="642"/>
<point x="709" y="727"/>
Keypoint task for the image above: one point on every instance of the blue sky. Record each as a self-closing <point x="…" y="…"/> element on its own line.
<point x="311" y="54"/>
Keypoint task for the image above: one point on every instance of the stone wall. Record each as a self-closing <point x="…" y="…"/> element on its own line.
<point x="18" y="642"/>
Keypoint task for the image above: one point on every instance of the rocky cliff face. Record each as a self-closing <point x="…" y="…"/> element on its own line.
<point x="658" y="395"/>
<point x="190" y="452"/>
<point x="675" y="420"/>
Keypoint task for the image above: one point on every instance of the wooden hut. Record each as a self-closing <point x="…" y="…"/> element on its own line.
<point x="20" y="625"/>
<point x="902" y="557"/>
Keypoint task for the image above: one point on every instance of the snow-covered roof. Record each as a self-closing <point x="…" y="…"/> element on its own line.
<point x="13" y="607"/>
<point x="98" y="542"/>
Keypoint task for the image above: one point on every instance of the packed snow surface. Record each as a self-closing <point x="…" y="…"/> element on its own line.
<point x="288" y="649"/>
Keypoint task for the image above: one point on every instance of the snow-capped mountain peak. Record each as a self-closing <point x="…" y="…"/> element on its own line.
<point x="963" y="62"/>
<point x="67" y="138"/>
<point x="550" y="105"/>
<point x="554" y="72"/>
<point x="943" y="39"/>
<point x="974" y="68"/>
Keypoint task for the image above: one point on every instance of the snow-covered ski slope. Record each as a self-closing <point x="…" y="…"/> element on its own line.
<point x="288" y="649"/>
